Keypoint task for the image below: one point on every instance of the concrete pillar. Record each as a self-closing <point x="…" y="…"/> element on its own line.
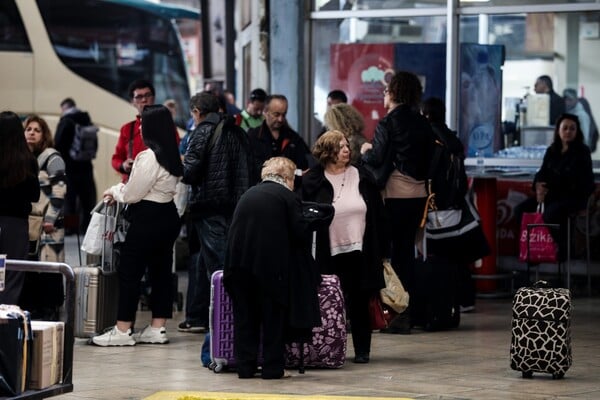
<point x="287" y="61"/>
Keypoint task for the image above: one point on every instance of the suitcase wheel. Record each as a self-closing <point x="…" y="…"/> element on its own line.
<point x="527" y="374"/>
<point x="558" y="375"/>
<point x="217" y="368"/>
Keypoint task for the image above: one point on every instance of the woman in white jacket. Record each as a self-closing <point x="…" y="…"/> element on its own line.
<point x="154" y="226"/>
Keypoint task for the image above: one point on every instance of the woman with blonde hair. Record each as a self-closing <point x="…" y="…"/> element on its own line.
<point x="351" y="247"/>
<point x="264" y="268"/>
<point x="43" y="294"/>
<point x="346" y="119"/>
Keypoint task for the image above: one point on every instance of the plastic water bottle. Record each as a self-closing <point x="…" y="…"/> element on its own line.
<point x="480" y="168"/>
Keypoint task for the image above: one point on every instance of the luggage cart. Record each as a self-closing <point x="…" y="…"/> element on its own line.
<point x="66" y="386"/>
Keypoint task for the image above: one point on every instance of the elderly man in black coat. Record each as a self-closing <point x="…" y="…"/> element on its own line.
<point x="269" y="272"/>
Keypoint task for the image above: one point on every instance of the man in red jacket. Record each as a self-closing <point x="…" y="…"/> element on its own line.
<point x="130" y="143"/>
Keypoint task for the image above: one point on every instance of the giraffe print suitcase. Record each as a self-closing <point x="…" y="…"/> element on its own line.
<point x="541" y="331"/>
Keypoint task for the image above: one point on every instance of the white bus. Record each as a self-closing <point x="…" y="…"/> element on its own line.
<point x="90" y="50"/>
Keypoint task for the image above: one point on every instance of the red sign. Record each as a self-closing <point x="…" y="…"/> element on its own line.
<point x="362" y="72"/>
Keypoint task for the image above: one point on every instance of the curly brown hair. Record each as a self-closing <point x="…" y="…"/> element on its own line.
<point x="327" y="147"/>
<point x="405" y="88"/>
<point x="344" y="118"/>
<point x="47" y="140"/>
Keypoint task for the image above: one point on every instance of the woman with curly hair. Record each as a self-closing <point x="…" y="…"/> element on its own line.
<point x="407" y="136"/>
<point x="345" y="118"/>
<point x="351" y="247"/>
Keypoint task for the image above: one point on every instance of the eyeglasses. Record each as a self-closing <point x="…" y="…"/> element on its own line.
<point x="139" y="97"/>
<point x="386" y="91"/>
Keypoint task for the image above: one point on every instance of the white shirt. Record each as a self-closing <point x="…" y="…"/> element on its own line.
<point x="148" y="181"/>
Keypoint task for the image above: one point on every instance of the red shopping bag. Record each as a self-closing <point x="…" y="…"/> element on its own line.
<point x="541" y="246"/>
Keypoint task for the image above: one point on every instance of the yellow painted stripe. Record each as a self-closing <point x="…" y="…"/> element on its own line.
<point x="252" y="396"/>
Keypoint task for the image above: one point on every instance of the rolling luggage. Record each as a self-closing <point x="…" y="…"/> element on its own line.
<point x="96" y="300"/>
<point x="434" y="300"/>
<point x="15" y="347"/>
<point x="541" y="331"/>
<point x="327" y="348"/>
<point x="97" y="285"/>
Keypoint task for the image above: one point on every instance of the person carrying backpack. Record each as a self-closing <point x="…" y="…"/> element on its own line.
<point x="74" y="139"/>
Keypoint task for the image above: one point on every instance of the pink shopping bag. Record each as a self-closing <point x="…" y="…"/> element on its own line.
<point x="542" y="247"/>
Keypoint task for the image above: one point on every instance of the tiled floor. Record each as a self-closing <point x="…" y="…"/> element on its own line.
<point x="469" y="363"/>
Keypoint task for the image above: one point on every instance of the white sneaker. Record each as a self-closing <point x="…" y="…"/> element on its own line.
<point x="114" y="337"/>
<point x="151" y="335"/>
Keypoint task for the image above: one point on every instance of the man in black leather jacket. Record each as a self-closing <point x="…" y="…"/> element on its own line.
<point x="217" y="167"/>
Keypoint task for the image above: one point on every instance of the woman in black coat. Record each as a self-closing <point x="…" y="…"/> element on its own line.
<point x="263" y="271"/>
<point x="565" y="179"/>
<point x="351" y="247"/>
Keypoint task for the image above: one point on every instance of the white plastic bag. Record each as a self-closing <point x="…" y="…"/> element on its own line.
<point x="393" y="294"/>
<point x="101" y="228"/>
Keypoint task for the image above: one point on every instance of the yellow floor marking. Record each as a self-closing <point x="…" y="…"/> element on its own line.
<point x="252" y="396"/>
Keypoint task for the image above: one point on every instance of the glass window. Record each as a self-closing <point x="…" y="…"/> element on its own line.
<point x="480" y="3"/>
<point x="356" y="55"/>
<point x="12" y="32"/>
<point x="111" y="45"/>
<point x="559" y="46"/>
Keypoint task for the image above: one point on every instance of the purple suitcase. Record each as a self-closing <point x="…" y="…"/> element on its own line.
<point x="327" y="348"/>
<point x="328" y="345"/>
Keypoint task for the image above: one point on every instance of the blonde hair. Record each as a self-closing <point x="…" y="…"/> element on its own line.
<point x="345" y="118"/>
<point x="281" y="167"/>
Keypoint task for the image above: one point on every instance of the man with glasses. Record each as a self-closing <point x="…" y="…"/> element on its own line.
<point x="275" y="138"/>
<point x="130" y="143"/>
<point x="253" y="116"/>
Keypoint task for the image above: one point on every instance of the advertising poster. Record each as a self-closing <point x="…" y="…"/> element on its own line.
<point x="480" y="96"/>
<point x="362" y="70"/>
<point x="428" y="62"/>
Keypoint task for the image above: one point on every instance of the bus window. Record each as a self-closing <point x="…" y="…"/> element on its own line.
<point x="112" y="44"/>
<point x="12" y="31"/>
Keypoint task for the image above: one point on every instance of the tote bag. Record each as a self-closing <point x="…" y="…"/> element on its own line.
<point x="101" y="229"/>
<point x="537" y="245"/>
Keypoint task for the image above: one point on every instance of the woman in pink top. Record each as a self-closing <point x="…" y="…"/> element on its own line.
<point x="351" y="246"/>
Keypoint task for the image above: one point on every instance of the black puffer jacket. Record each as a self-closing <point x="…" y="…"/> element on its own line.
<point x="411" y="138"/>
<point x="218" y="173"/>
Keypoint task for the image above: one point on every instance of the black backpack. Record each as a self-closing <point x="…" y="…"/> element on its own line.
<point x="85" y="142"/>
<point x="447" y="175"/>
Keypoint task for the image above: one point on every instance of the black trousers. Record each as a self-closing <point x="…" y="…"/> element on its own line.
<point x="149" y="244"/>
<point x="405" y="216"/>
<point x="14" y="242"/>
<point x="80" y="185"/>
<point x="255" y="312"/>
<point x="348" y="267"/>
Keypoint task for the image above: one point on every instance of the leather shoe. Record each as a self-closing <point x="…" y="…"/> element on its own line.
<point x="361" y="359"/>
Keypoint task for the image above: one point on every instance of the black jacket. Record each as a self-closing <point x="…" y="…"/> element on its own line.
<point x="218" y="173"/>
<point x="411" y="139"/>
<point x="289" y="144"/>
<point x="315" y="187"/>
<point x="65" y="133"/>
<point x="267" y="240"/>
<point x="568" y="176"/>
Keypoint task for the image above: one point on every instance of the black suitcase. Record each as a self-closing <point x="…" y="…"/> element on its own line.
<point x="434" y="300"/>
<point x="541" y="331"/>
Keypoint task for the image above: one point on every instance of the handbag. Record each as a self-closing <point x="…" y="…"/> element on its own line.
<point x="536" y="244"/>
<point x="36" y="222"/>
<point x="380" y="315"/>
<point x="101" y="229"/>
<point x="456" y="233"/>
<point x="393" y="294"/>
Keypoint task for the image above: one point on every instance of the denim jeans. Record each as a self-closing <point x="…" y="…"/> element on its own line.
<point x="212" y="234"/>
